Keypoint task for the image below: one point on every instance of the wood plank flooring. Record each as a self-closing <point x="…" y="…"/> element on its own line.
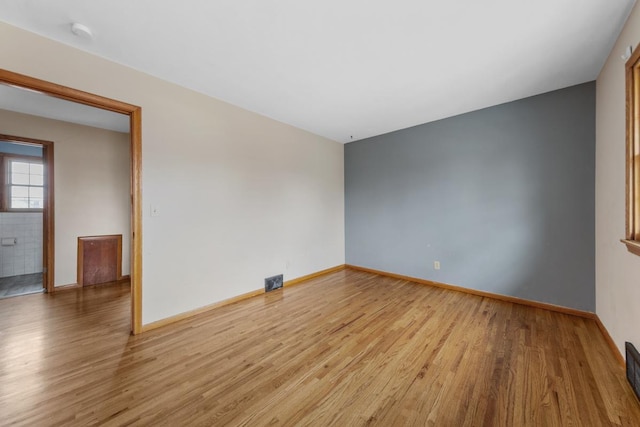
<point x="346" y="349"/>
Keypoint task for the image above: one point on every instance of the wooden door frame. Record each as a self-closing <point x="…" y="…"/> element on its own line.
<point x="135" y="114"/>
<point x="48" y="213"/>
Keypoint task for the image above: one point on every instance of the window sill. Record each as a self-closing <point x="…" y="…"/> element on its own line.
<point x="633" y="246"/>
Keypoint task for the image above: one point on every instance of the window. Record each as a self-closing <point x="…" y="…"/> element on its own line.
<point x="25" y="184"/>
<point x="632" y="238"/>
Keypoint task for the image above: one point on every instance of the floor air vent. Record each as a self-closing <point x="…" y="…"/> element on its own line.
<point x="275" y="282"/>
<point x="633" y="368"/>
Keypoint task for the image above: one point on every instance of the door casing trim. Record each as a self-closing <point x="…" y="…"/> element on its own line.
<point x="135" y="116"/>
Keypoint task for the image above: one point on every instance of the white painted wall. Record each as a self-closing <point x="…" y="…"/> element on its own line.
<point x="91" y="184"/>
<point x="617" y="271"/>
<point x="240" y="196"/>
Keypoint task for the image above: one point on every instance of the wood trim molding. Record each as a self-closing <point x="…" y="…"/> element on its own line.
<point x="188" y="314"/>
<point x="633" y="246"/>
<point x="135" y="114"/>
<point x="610" y="342"/>
<point x="69" y="287"/>
<point x="64" y="92"/>
<point x="507" y="298"/>
<point x="75" y="286"/>
<point x="49" y="246"/>
<point x="302" y="279"/>
<point x="632" y="150"/>
<point x="136" y="220"/>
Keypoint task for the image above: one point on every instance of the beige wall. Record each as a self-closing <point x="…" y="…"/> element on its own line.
<point x="91" y="168"/>
<point x="617" y="271"/>
<point x="241" y="197"/>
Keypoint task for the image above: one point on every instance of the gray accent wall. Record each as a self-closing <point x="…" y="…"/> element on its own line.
<point x="503" y="198"/>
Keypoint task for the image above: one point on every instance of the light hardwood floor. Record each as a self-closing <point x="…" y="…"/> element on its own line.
<point x="346" y="349"/>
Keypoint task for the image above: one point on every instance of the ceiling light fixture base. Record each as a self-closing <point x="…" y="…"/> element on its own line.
<point x="81" y="31"/>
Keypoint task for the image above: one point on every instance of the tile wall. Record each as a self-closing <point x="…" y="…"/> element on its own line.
<point x="26" y="256"/>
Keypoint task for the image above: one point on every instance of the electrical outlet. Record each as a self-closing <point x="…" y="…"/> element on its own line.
<point x="436" y="265"/>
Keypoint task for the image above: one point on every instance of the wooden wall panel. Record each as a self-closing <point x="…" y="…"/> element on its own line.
<point x="99" y="259"/>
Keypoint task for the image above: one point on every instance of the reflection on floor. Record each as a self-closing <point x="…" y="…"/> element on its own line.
<point x="20" y="285"/>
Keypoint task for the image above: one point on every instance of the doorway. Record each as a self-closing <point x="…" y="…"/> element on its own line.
<point x="134" y="113"/>
<point x="26" y="215"/>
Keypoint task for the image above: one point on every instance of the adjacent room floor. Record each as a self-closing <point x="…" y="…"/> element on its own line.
<point x="346" y="349"/>
<point x="20" y="285"/>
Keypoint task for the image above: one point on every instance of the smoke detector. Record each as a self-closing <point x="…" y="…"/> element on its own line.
<point x="81" y="31"/>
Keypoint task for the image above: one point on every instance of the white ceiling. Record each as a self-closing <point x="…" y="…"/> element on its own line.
<point x="345" y="69"/>
<point x="37" y="104"/>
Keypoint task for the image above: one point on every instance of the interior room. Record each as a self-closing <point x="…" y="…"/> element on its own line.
<point x="400" y="213"/>
<point x="90" y="192"/>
